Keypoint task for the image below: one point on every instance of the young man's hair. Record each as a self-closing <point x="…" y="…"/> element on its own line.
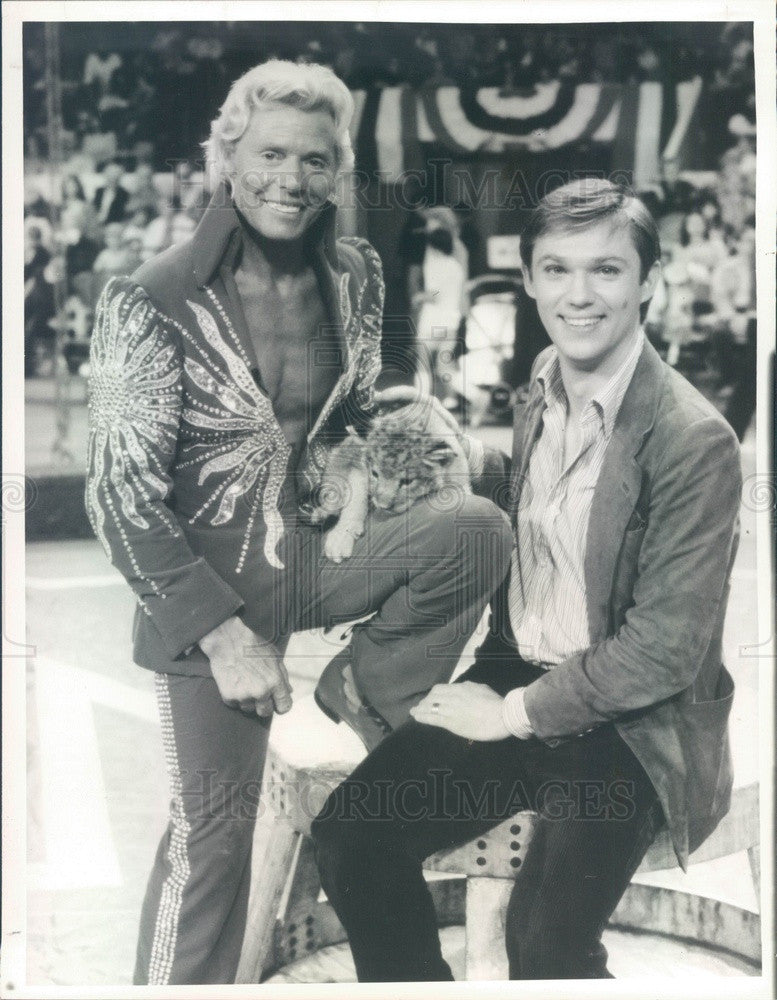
<point x="584" y="203"/>
<point x="308" y="87"/>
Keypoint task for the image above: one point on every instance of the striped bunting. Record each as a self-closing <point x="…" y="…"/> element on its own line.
<point x="643" y="123"/>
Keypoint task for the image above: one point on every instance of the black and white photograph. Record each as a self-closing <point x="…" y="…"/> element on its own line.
<point x="388" y="504"/>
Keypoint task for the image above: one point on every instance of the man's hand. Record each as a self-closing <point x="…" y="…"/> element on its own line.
<point x="471" y="710"/>
<point x="249" y="673"/>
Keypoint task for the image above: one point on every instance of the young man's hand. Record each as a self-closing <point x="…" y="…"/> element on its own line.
<point x="249" y="672"/>
<point x="467" y="709"/>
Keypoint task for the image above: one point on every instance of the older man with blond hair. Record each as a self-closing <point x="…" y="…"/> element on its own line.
<point x="222" y="373"/>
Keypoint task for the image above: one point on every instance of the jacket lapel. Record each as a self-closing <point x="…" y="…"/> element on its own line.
<point x="527" y="427"/>
<point x="214" y="242"/>
<point x="334" y="290"/>
<point x="618" y="487"/>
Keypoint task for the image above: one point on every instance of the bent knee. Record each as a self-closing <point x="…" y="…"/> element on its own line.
<point x="339" y="843"/>
<point x="450" y="521"/>
<point x="483" y="530"/>
<point x="334" y="829"/>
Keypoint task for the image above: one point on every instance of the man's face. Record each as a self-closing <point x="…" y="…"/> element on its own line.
<point x="588" y="292"/>
<point x="283" y="169"/>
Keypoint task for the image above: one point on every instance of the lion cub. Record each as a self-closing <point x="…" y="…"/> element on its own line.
<point x="410" y="452"/>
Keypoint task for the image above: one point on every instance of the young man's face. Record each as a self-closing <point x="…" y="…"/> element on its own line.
<point x="283" y="169"/>
<point x="588" y="292"/>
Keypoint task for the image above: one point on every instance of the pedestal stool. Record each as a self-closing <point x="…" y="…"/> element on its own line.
<point x="308" y="757"/>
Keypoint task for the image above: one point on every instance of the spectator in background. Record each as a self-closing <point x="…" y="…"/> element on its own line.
<point x="113" y="106"/>
<point x="676" y="197"/>
<point x="80" y="255"/>
<point x="669" y="319"/>
<point x="170" y="227"/>
<point x="138" y="224"/>
<point x="733" y="281"/>
<point x="442" y="216"/>
<point x="188" y="189"/>
<point x="743" y="326"/>
<point x="439" y="314"/>
<point x="699" y="254"/>
<point x="76" y="215"/>
<point x="112" y="260"/>
<point x="733" y="324"/>
<point x="110" y="200"/>
<point x="736" y="184"/>
<point x="36" y="217"/>
<point x="744" y="147"/>
<point x="132" y="244"/>
<point x="143" y="194"/>
<point x="38" y="300"/>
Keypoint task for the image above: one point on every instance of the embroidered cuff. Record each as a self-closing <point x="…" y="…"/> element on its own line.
<point x="195" y="599"/>
<point x="514" y="715"/>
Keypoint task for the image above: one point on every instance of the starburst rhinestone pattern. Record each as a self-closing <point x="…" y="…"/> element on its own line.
<point x="175" y="404"/>
<point x="134" y="407"/>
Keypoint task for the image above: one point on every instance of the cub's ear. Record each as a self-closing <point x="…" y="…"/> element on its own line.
<point x="441" y="455"/>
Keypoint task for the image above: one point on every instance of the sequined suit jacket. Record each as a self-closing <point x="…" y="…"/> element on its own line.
<point x="191" y="485"/>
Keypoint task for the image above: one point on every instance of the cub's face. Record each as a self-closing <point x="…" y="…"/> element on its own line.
<point x="406" y="465"/>
<point x="395" y="490"/>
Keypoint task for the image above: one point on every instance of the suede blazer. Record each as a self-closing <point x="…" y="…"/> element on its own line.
<point x="661" y="540"/>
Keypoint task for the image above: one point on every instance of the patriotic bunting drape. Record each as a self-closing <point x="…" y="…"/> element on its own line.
<point x="642" y="123"/>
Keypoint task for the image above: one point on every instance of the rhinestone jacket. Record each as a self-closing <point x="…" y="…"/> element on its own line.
<point x="189" y="473"/>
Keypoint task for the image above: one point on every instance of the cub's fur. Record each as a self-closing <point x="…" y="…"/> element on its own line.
<point x="409" y="453"/>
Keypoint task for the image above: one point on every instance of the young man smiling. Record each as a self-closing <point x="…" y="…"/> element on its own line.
<point x="602" y="672"/>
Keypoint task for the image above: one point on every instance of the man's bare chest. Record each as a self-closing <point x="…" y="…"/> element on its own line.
<point x="294" y="344"/>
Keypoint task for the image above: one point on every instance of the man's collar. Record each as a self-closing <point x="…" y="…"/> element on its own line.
<point x="549" y="379"/>
<point x="220" y="224"/>
<point x="606" y="400"/>
<point x="609" y="398"/>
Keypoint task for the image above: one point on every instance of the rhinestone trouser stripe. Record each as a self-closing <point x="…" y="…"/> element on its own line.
<point x="166" y="930"/>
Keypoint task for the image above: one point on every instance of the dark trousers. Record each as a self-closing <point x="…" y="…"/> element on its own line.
<point x="424" y="789"/>
<point x="428" y="574"/>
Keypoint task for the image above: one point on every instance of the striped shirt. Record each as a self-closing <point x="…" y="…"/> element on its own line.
<point x="547" y="596"/>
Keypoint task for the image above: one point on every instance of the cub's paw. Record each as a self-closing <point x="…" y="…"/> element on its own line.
<point x="338" y="543"/>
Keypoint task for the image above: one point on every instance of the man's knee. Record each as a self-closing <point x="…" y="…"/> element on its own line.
<point x="470" y="523"/>
<point x="334" y="839"/>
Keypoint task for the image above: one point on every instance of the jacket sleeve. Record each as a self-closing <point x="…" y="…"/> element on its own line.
<point x="679" y="593"/>
<point x="135" y="397"/>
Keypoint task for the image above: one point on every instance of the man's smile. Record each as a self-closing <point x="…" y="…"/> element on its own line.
<point x="283" y="207"/>
<point x="580" y="321"/>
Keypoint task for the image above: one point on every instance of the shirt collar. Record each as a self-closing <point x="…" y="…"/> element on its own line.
<point x="607" y="401"/>
<point x="549" y="378"/>
<point x="609" y="398"/>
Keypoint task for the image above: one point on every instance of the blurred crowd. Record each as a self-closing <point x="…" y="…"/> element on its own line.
<point x="703" y="313"/>
<point x="157" y="85"/>
<point x="477" y="332"/>
<point x="134" y="114"/>
<point x="107" y="222"/>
